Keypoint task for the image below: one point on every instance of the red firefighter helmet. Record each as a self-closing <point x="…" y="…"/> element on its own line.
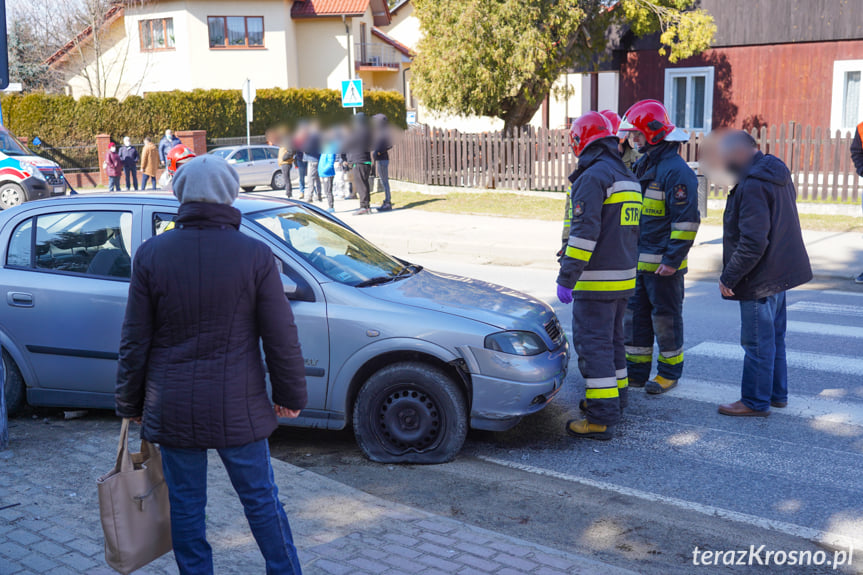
<point x="178" y="155"/>
<point x="651" y="119"/>
<point x="587" y="129"/>
<point x="612" y="118"/>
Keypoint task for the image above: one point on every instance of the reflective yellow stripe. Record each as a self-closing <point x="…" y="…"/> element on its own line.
<point x="578" y="254"/>
<point x="672" y="360"/>
<point x="647" y="267"/>
<point x="619" y="285"/>
<point x="680" y="235"/>
<point x="621" y="197"/>
<point x="638" y="358"/>
<point x="621" y="383"/>
<point x="606" y="393"/>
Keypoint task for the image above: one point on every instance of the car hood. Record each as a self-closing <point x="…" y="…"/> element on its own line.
<point x="38" y="161"/>
<point x="481" y="301"/>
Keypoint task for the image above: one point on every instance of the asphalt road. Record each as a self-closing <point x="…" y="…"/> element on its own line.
<point x="678" y="475"/>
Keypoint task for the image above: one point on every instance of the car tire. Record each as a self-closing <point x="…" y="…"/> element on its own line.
<point x="16" y="394"/>
<point x="11" y="195"/>
<point x="248" y="189"/>
<point x="410" y="412"/>
<point x="278" y="181"/>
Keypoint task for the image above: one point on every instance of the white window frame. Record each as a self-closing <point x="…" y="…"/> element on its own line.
<point x="837" y="97"/>
<point x="689" y="73"/>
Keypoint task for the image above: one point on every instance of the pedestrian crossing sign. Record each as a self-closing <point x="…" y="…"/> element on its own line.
<point x="352" y="93"/>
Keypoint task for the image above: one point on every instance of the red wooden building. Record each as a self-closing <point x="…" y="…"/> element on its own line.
<point x="772" y="62"/>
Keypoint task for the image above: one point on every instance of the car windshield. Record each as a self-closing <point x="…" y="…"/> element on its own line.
<point x="335" y="251"/>
<point x="222" y="152"/>
<point x="10" y="146"/>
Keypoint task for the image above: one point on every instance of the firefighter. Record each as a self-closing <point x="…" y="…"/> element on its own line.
<point x="614" y="119"/>
<point x="598" y="269"/>
<point x="669" y="222"/>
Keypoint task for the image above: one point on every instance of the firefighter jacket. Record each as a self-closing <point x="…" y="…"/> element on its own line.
<point x="599" y="261"/>
<point x="669" y="216"/>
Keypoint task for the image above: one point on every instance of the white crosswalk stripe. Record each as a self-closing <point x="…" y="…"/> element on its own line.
<point x="827" y="308"/>
<point x="825" y="329"/>
<point x="822" y="410"/>
<point x="796" y="359"/>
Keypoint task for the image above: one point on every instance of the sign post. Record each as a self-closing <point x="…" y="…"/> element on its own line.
<point x="249" y="97"/>
<point x="352" y="93"/>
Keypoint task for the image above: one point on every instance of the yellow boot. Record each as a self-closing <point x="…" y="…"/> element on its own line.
<point x="660" y="385"/>
<point x="583" y="428"/>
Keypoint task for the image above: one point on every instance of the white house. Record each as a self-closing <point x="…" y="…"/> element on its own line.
<point x="161" y="45"/>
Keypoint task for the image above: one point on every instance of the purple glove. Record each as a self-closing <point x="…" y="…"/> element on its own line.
<point x="564" y="294"/>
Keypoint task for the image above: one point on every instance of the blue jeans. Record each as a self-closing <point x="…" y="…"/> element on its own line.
<point x="302" y="168"/>
<point x="146" y="178"/>
<point x="762" y="335"/>
<point x="383" y="170"/>
<point x="251" y="475"/>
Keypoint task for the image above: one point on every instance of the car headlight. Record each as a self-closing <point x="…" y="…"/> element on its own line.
<point x="33" y="169"/>
<point x="515" y="342"/>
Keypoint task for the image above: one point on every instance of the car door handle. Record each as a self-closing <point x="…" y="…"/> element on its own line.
<point x="19" y="299"/>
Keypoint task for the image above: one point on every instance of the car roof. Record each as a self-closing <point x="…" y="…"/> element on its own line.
<point x="246" y="203"/>
<point x="240" y="146"/>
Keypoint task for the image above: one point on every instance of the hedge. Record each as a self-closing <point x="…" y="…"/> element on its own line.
<point x="60" y="120"/>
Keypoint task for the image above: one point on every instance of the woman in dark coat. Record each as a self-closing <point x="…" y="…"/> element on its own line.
<point x="202" y="298"/>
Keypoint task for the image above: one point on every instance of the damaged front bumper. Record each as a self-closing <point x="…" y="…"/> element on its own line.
<point x="508" y="387"/>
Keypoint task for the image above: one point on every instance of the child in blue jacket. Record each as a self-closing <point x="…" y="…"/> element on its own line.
<point x="327" y="173"/>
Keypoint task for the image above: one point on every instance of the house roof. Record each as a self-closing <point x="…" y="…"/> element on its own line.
<point x="114" y="12"/>
<point x="331" y="8"/>
<point x="392" y="42"/>
<point x="399" y="6"/>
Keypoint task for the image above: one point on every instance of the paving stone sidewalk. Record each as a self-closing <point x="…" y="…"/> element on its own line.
<point x="49" y="519"/>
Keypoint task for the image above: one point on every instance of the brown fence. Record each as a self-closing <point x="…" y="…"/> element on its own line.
<point x="538" y="159"/>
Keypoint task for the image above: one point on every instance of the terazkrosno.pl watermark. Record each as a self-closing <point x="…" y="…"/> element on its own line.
<point x="762" y="556"/>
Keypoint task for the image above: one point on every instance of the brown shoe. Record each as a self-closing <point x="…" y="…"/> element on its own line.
<point x="779" y="404"/>
<point x="739" y="409"/>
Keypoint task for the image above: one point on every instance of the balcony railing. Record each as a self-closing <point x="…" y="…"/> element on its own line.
<point x="375" y="55"/>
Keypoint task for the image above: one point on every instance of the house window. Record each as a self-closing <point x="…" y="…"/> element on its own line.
<point x="236" y="31"/>
<point x="157" y="34"/>
<point x="689" y="97"/>
<point x="846" y="110"/>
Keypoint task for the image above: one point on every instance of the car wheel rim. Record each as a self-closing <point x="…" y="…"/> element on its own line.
<point x="10" y="197"/>
<point x="280" y="181"/>
<point x="409" y="419"/>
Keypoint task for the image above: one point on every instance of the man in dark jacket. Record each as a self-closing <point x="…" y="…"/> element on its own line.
<point x="382" y="148"/>
<point x="165" y="145"/>
<point x="358" y="154"/>
<point x="857" y="158"/>
<point x="201" y="299"/>
<point x="763" y="257"/>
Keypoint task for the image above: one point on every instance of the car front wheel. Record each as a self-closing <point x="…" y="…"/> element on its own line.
<point x="11" y="195"/>
<point x="410" y="412"/>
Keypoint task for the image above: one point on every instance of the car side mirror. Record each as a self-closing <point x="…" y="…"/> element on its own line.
<point x="290" y="286"/>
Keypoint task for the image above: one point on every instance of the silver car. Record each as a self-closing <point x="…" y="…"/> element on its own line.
<point x="411" y="358"/>
<point x="256" y="165"/>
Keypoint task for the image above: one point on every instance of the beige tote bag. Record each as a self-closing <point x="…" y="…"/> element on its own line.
<point x="134" y="507"/>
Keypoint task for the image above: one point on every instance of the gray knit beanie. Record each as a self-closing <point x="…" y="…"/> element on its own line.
<point x="207" y="179"/>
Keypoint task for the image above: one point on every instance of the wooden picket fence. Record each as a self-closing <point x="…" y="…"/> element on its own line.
<point x="539" y="159"/>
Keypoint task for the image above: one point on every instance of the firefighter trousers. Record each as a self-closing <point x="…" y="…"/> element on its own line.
<point x="597" y="327"/>
<point x="655" y="311"/>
